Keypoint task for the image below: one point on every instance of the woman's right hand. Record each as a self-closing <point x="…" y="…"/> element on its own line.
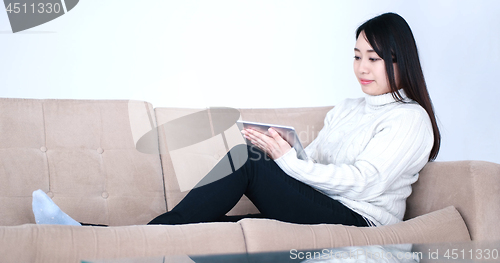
<point x="274" y="146"/>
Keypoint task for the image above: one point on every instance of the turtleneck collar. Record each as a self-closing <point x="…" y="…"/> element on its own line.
<point x="381" y="100"/>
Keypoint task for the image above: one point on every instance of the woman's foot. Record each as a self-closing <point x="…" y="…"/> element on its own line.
<point x="47" y="212"/>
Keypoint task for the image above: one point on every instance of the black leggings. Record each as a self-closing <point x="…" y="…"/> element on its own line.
<point x="274" y="193"/>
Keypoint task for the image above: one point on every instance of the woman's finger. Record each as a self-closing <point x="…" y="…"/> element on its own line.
<point x="282" y="145"/>
<point x="261" y="141"/>
<point x="274" y="145"/>
<point x="277" y="137"/>
<point x="264" y="140"/>
<point x="253" y="138"/>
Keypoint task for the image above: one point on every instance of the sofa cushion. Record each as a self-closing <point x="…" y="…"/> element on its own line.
<point x="473" y="187"/>
<point x="68" y="244"/>
<point x="197" y="160"/>
<point x="261" y="235"/>
<point x="82" y="153"/>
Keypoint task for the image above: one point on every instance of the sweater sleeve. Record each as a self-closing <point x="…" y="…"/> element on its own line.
<point x="310" y="150"/>
<point x="400" y="147"/>
<point x="333" y="114"/>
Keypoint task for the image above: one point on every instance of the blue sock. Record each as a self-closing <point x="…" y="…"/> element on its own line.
<point x="47" y="212"/>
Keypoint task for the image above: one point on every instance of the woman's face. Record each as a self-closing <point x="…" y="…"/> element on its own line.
<point x="370" y="68"/>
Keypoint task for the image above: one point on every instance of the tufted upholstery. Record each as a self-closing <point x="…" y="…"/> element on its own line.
<point x="82" y="154"/>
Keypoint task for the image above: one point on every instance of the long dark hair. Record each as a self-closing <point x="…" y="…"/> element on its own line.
<point x="391" y="38"/>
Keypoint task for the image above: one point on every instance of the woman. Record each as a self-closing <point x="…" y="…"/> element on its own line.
<point x="361" y="165"/>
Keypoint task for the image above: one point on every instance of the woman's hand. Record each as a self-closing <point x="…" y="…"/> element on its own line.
<point x="274" y="146"/>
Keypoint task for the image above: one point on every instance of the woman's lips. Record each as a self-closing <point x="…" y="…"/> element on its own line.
<point x="365" y="81"/>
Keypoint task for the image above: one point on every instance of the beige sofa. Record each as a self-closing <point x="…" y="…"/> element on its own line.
<point x="83" y="154"/>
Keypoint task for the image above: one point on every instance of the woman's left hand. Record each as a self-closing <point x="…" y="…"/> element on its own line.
<point x="274" y="146"/>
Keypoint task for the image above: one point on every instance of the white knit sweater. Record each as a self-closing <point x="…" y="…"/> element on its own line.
<point x="367" y="155"/>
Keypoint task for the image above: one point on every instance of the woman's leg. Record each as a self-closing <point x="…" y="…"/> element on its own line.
<point x="274" y="193"/>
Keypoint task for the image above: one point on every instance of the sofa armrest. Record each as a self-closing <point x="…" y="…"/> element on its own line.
<point x="473" y="187"/>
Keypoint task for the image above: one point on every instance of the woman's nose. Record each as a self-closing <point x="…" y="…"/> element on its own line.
<point x="363" y="67"/>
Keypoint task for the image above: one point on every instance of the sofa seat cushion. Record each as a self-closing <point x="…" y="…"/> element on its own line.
<point x="68" y="244"/>
<point x="264" y="235"/>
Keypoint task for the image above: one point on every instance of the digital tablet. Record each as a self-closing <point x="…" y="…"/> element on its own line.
<point x="288" y="133"/>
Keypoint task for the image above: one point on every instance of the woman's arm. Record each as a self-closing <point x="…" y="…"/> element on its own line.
<point x="280" y="147"/>
<point x="400" y="147"/>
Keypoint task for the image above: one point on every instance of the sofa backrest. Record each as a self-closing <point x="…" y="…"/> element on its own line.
<point x="198" y="159"/>
<point x="82" y="153"/>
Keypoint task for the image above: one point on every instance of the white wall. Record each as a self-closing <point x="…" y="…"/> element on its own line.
<point x="268" y="53"/>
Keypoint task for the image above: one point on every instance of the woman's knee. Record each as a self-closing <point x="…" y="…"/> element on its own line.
<point x="243" y="154"/>
<point x="255" y="154"/>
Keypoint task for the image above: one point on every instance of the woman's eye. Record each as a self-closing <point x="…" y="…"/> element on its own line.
<point x="374" y="59"/>
<point x="356" y="58"/>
